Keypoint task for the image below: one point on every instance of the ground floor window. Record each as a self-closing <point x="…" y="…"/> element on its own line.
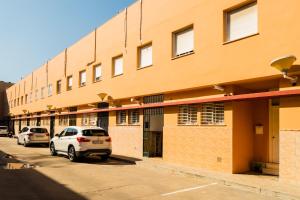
<point x="89" y="119"/>
<point x="212" y="114"/>
<point x="46" y="121"/>
<point x="33" y="122"/>
<point x="133" y="116"/>
<point x="63" y="120"/>
<point x="187" y="115"/>
<point x="72" y="120"/>
<point x="121" y="117"/>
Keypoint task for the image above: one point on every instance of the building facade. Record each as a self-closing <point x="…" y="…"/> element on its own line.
<point x="192" y="84"/>
<point x="4" y="107"/>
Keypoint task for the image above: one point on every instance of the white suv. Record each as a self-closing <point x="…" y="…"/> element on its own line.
<point x="33" y="135"/>
<point x="77" y="142"/>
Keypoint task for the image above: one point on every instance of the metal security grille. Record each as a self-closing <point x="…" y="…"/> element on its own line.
<point x="187" y="115"/>
<point x="153" y="99"/>
<point x="212" y="114"/>
<point x="63" y="120"/>
<point x="121" y="117"/>
<point x="133" y="116"/>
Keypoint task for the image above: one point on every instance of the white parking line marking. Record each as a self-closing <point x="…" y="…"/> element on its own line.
<point x="189" y="189"/>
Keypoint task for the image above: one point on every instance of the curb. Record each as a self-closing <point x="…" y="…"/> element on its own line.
<point x="114" y="157"/>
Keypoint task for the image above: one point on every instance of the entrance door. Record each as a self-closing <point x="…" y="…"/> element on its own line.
<point x="103" y="117"/>
<point x="52" y="126"/>
<point x="20" y="125"/>
<point x="274" y="133"/>
<point x="153" y="132"/>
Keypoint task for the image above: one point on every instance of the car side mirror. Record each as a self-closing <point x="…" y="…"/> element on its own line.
<point x="56" y="135"/>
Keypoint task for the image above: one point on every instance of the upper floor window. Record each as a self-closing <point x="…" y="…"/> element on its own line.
<point x="26" y="98"/>
<point x="118" y="66"/>
<point x="97" y="73"/>
<point x="82" y="78"/>
<point x="241" y="22"/>
<point x="183" y="42"/>
<point x="121" y="117"/>
<point x="145" y="56"/>
<point x="187" y="115"/>
<point x="50" y="90"/>
<point x="69" y="82"/>
<point x="30" y="97"/>
<point x="212" y="114"/>
<point x="42" y="92"/>
<point x="22" y="100"/>
<point x="58" y="87"/>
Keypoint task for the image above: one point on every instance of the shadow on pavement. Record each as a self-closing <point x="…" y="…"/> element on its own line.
<point x="29" y="184"/>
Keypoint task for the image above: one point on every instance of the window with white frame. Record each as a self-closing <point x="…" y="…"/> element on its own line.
<point x="133" y="116"/>
<point x="121" y="117"/>
<point x="69" y="82"/>
<point x="187" y="115"/>
<point x="241" y="22"/>
<point x="42" y="92"/>
<point x="50" y="90"/>
<point x="183" y="42"/>
<point x="97" y="73"/>
<point x="82" y="77"/>
<point x="63" y="120"/>
<point x="145" y="56"/>
<point x="212" y="114"/>
<point x="118" y="66"/>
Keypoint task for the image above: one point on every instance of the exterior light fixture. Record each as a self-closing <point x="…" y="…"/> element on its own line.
<point x="49" y="107"/>
<point x="136" y="100"/>
<point x="24" y="111"/>
<point x="218" y="87"/>
<point x="284" y="64"/>
<point x="102" y="96"/>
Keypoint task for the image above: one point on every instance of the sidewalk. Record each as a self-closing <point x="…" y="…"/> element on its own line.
<point x="262" y="184"/>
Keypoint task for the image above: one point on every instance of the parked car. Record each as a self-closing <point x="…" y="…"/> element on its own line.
<point x="33" y="135"/>
<point x="3" y="131"/>
<point x="77" y="142"/>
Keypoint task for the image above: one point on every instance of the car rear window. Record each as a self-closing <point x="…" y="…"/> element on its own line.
<point x="38" y="130"/>
<point x="94" y="132"/>
<point x="3" y="128"/>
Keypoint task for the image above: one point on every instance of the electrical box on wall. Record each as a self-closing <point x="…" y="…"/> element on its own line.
<point x="259" y="129"/>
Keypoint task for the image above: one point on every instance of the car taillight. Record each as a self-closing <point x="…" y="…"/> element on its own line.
<point x="47" y="134"/>
<point x="82" y="139"/>
<point x="108" y="139"/>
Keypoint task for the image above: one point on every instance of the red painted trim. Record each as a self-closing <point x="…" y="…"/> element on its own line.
<point x="239" y="97"/>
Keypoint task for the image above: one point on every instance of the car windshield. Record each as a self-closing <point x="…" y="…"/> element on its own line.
<point x="3" y="128"/>
<point x="94" y="132"/>
<point x="38" y="130"/>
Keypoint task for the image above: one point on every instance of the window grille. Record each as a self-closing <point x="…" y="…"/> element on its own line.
<point x="212" y="114"/>
<point x="187" y="115"/>
<point x="121" y="117"/>
<point x="63" y="120"/>
<point x="133" y="116"/>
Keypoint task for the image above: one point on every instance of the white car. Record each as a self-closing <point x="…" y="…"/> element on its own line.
<point x="77" y="142"/>
<point x="3" y="131"/>
<point x="33" y="135"/>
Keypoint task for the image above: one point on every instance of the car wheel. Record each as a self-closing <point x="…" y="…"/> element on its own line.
<point x="104" y="158"/>
<point x="25" y="143"/>
<point x="72" y="154"/>
<point x="18" y="141"/>
<point x="52" y="149"/>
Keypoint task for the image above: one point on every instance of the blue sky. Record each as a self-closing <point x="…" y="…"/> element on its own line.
<point x="33" y="31"/>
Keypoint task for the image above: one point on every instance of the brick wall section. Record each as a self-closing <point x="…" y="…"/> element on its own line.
<point x="290" y="156"/>
<point x="203" y="147"/>
<point x="127" y="140"/>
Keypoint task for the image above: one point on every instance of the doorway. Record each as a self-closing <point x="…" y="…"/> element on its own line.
<point x="52" y="126"/>
<point x="153" y="132"/>
<point x="103" y="117"/>
<point x="20" y="125"/>
<point x="274" y="131"/>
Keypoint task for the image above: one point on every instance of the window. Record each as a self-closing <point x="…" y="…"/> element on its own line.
<point x="18" y="102"/>
<point x="69" y="82"/>
<point x="121" y="117"/>
<point x="71" y="132"/>
<point x="63" y="120"/>
<point x="26" y="98"/>
<point x="46" y="121"/>
<point x="97" y="73"/>
<point x="212" y="114"/>
<point x="133" y="116"/>
<point x="42" y="92"/>
<point x="82" y="81"/>
<point x="94" y="132"/>
<point x="145" y="56"/>
<point x="58" y="87"/>
<point x="241" y="22"/>
<point x="50" y="90"/>
<point x="89" y="119"/>
<point x="118" y="66"/>
<point x="183" y="42"/>
<point x="187" y="115"/>
<point x="22" y="100"/>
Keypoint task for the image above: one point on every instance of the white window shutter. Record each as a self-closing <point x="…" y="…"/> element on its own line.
<point x="242" y="22"/>
<point x="98" y="72"/>
<point x="83" y="77"/>
<point x="70" y="81"/>
<point x="146" y="56"/>
<point x="118" y="66"/>
<point x="184" y="42"/>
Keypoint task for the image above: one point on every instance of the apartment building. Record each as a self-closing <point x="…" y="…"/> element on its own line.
<point x="189" y="81"/>
<point x="4" y="107"/>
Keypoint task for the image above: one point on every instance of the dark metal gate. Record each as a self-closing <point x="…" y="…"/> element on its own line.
<point x="52" y="126"/>
<point x="103" y="117"/>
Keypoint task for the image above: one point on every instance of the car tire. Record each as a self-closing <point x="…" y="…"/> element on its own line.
<point x="72" y="154"/>
<point x="25" y="143"/>
<point x="52" y="149"/>
<point x="18" y="142"/>
<point x="104" y="158"/>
